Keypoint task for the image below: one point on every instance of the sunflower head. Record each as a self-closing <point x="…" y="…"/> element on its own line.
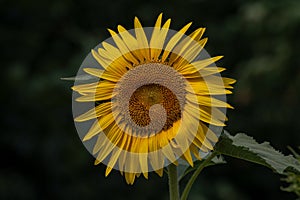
<point x="153" y="96"/>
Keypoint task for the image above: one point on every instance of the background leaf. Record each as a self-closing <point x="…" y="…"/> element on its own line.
<point x="245" y="147"/>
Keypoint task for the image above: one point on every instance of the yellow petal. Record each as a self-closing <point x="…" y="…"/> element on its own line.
<point x="141" y="39"/>
<point x="143" y="156"/>
<point x="101" y="60"/>
<point x="197" y="36"/>
<point x="112" y="51"/>
<point x="122" y="47"/>
<point x="153" y="156"/>
<point x="123" y="155"/>
<point x="92" y="97"/>
<point x="106" y="120"/>
<point x="85" y="88"/>
<point x="207" y="101"/>
<point x="211" y="70"/>
<point x="128" y="39"/>
<point x="94" y="71"/>
<point x="184" y="45"/>
<point x="113" y="66"/>
<point x="212" y="116"/>
<point x="207" y="114"/>
<point x="187" y="156"/>
<point x="158" y="39"/>
<point x="105" y="151"/>
<point x="116" y="71"/>
<point x="94" y="130"/>
<point x="129" y="177"/>
<point x="207" y="71"/>
<point x="134" y="165"/>
<point x="102" y="123"/>
<point x="228" y="81"/>
<point x="211" y="91"/>
<point x="158" y="21"/>
<point x="201" y="137"/>
<point x="166" y="148"/>
<point x="113" y="159"/>
<point x="108" y="147"/>
<point x="209" y="133"/>
<point x="160" y="172"/>
<point x="98" y="111"/>
<point x="103" y="92"/>
<point x="195" y="151"/>
<point x="173" y="41"/>
<point x="101" y="141"/>
<point x="116" y="55"/>
<point x="198" y="65"/>
<point x="154" y="42"/>
<point x="191" y="52"/>
<point x="210" y="85"/>
<point x="110" y="77"/>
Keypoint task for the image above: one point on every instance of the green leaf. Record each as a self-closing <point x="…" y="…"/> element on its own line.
<point x="246" y="148"/>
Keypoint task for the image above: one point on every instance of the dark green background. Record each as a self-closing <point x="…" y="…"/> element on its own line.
<point x="41" y="41"/>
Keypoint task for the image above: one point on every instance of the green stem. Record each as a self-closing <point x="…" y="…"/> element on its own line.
<point x="173" y="182"/>
<point x="191" y="181"/>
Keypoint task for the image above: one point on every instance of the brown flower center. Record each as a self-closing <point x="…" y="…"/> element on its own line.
<point x="148" y="95"/>
<point x="148" y="99"/>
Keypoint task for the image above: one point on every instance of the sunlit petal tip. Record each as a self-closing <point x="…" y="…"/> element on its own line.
<point x="112" y="33"/>
<point x="160" y="15"/>
<point x="79" y="119"/>
<point x="160" y="172"/>
<point x="95" y="54"/>
<point x="158" y="21"/>
<point x="233" y="81"/>
<point x="216" y="58"/>
<point x="230" y="106"/>
<point x="129" y="177"/>
<point x="79" y="99"/>
<point x="97" y="162"/>
<point x="228" y="81"/>
<point x="85" y="139"/>
<point x="93" y="51"/>
<point x="176" y="163"/>
<point x="203" y="41"/>
<point x="107" y="171"/>
<point x="94" y="71"/>
<point x="137" y="23"/>
<point x="145" y="174"/>
<point x="187" y="156"/>
<point x="188" y="25"/>
<point x="167" y="24"/>
<point x="121" y="28"/>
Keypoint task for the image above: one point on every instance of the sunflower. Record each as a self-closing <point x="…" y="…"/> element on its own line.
<point x="156" y="98"/>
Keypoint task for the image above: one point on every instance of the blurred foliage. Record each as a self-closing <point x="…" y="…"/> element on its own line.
<point x="294" y="183"/>
<point x="41" y="41"/>
<point x="293" y="178"/>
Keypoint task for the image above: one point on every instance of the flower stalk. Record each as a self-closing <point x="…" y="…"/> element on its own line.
<point x="173" y="182"/>
<point x="191" y="181"/>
